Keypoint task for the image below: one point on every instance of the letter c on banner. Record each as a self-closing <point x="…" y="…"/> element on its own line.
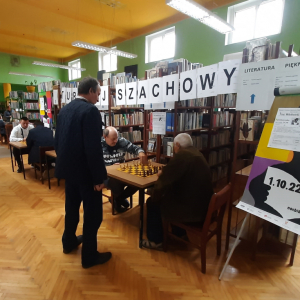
<point x="155" y="95"/>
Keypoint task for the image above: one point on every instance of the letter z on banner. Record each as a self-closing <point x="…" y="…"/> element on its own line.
<point x="131" y="89"/>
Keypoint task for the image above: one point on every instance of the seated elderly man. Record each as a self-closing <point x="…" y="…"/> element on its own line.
<point x="114" y="148"/>
<point x="182" y="192"/>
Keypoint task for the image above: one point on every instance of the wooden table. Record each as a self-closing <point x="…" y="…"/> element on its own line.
<point x="140" y="182"/>
<point x="52" y="154"/>
<point x="23" y="150"/>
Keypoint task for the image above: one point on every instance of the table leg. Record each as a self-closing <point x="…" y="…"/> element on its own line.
<point x="11" y="157"/>
<point x="47" y="166"/>
<point x="141" y="203"/>
<point x="112" y="203"/>
<point x="22" y="163"/>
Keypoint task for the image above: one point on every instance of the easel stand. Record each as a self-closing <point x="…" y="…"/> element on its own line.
<point x="234" y="246"/>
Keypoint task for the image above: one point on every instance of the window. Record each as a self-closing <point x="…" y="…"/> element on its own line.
<point x="74" y="74"/>
<point x="254" y="19"/>
<point x="160" y="45"/>
<point x="108" y="62"/>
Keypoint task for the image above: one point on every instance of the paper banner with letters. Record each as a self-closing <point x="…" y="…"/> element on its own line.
<point x="273" y="188"/>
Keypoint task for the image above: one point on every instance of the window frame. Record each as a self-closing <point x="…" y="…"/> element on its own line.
<point x="101" y="64"/>
<point x="71" y="64"/>
<point x="151" y="37"/>
<point x="242" y="6"/>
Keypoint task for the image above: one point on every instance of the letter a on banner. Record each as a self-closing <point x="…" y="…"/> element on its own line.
<point x="131" y="89"/>
<point x="188" y="85"/>
<point x="207" y="80"/>
<point x="156" y="90"/>
<point x="142" y="94"/>
<point x="228" y="76"/>
<point x="170" y="88"/>
<point x="120" y="94"/>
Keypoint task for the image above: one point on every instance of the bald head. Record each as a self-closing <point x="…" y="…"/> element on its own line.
<point x="110" y="135"/>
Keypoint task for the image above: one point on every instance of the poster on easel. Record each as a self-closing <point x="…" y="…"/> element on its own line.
<point x="45" y="108"/>
<point x="272" y="191"/>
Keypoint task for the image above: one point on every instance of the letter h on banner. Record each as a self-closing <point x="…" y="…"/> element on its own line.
<point x="170" y="88"/>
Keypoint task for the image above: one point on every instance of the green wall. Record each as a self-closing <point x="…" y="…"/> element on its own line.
<point x="199" y="43"/>
<point x="26" y="66"/>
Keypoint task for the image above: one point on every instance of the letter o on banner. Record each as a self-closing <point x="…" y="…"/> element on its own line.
<point x="188" y="85"/>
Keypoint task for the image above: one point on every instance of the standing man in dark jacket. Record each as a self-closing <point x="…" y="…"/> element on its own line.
<point x="182" y="192"/>
<point x="80" y="162"/>
<point x="39" y="136"/>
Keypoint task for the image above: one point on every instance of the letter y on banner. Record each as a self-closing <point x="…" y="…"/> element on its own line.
<point x="207" y="80"/>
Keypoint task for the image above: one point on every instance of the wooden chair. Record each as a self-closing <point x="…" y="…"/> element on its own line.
<point x="8" y="129"/>
<point x="214" y="217"/>
<point x="110" y="199"/>
<point x="41" y="165"/>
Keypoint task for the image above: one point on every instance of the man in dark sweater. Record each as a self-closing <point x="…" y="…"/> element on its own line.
<point x="114" y="148"/>
<point x="80" y="161"/>
<point x="39" y="136"/>
<point x="182" y="192"/>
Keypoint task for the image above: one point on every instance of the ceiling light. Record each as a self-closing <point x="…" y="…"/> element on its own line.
<point x="102" y="49"/>
<point x="27" y="74"/>
<point x="200" y="13"/>
<point x="45" y="64"/>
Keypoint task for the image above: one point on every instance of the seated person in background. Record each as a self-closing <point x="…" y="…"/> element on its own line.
<point x="114" y="149"/>
<point x="2" y="129"/>
<point x="39" y="136"/>
<point x="182" y="192"/>
<point x="7" y="114"/>
<point x="19" y="134"/>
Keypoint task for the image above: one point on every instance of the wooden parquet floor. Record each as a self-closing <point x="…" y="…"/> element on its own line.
<point x="33" y="266"/>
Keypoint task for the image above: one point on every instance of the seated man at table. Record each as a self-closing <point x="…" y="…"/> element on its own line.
<point x="182" y="192"/>
<point x="39" y="136"/>
<point x="2" y="129"/>
<point x="19" y="134"/>
<point x="114" y="148"/>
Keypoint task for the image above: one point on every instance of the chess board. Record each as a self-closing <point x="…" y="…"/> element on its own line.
<point x="136" y="169"/>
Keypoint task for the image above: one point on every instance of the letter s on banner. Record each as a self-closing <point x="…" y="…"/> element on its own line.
<point x="120" y="94"/>
<point x="188" y="85"/>
<point x="170" y="88"/>
<point x="156" y="90"/>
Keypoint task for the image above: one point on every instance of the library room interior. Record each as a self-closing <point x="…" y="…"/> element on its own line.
<point x="150" y="149"/>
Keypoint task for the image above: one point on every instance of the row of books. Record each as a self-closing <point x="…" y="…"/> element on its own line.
<point x="29" y="96"/>
<point x="200" y="141"/>
<point x="219" y="172"/>
<point x="13" y="94"/>
<point x="222" y="118"/>
<point x="195" y="102"/>
<point x="118" y="78"/>
<point x="29" y="105"/>
<point x="33" y="115"/>
<point x="130" y="156"/>
<point x="14" y="104"/>
<point x="16" y="115"/>
<point x="45" y="86"/>
<point x="132" y="135"/>
<point x="216" y="157"/>
<point x="244" y="149"/>
<point x="135" y="118"/>
<point x="219" y="139"/>
<point x="224" y="100"/>
<point x="190" y="120"/>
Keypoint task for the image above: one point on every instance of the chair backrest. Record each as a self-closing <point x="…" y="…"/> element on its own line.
<point x="216" y="208"/>
<point x="8" y="129"/>
<point x="42" y="152"/>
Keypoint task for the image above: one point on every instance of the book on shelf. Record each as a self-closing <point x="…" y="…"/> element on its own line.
<point x="220" y="138"/>
<point x="165" y="141"/>
<point x="29" y="105"/>
<point x="206" y="120"/>
<point x="222" y="118"/>
<point x="170" y="121"/>
<point x="219" y="172"/>
<point x="197" y="102"/>
<point x="200" y="141"/>
<point x="151" y="147"/>
<point x="219" y="156"/>
<point x="132" y="135"/>
<point x="189" y="120"/>
<point x="224" y="100"/>
<point x="135" y="118"/>
<point x="29" y="96"/>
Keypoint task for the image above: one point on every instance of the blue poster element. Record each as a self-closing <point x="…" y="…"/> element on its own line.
<point x="252" y="98"/>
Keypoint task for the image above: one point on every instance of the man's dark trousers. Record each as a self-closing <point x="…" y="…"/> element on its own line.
<point x="93" y="215"/>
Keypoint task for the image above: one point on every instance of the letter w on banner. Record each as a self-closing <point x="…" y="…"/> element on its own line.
<point x="120" y="94"/>
<point x="207" y="80"/>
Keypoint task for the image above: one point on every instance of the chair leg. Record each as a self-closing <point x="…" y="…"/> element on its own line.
<point x="130" y="201"/>
<point x="35" y="172"/>
<point x="203" y="258"/>
<point x="219" y="236"/>
<point x="41" y="169"/>
<point x="165" y="240"/>
<point x="58" y="181"/>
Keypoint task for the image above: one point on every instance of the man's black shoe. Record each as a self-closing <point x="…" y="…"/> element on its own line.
<point x="124" y="202"/>
<point x="79" y="241"/>
<point x="101" y="259"/>
<point x="20" y="170"/>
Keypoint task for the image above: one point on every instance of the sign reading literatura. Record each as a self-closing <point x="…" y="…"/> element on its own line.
<point x="254" y="84"/>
